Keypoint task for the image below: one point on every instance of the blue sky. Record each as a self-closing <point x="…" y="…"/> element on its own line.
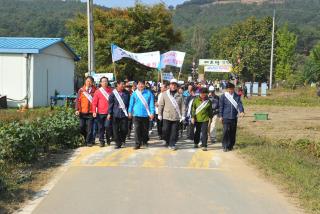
<point x="127" y="3"/>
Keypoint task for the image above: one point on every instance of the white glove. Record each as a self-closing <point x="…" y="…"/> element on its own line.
<point x="159" y="117"/>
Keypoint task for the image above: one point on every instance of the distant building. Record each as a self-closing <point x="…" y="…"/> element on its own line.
<point x="33" y="69"/>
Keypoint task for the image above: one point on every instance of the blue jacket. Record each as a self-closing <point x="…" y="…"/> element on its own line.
<point x="227" y="110"/>
<point x="114" y="107"/>
<point x="136" y="107"/>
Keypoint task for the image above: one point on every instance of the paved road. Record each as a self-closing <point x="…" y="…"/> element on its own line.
<point x="158" y="180"/>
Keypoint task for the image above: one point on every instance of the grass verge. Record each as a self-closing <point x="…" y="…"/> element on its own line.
<point x="297" y="171"/>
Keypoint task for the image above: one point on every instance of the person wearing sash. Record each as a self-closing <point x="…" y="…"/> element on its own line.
<point x="118" y="113"/>
<point x="84" y="109"/>
<point x="142" y="110"/>
<point x="201" y="114"/>
<point x="171" y="108"/>
<point x="100" y="105"/>
<point x="188" y="108"/>
<point x="230" y="106"/>
<point x="215" y="113"/>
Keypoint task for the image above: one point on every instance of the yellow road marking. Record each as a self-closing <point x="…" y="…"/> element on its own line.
<point x="86" y="152"/>
<point x="158" y="160"/>
<point x="116" y="158"/>
<point x="201" y="160"/>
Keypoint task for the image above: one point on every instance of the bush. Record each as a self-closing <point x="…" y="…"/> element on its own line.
<point x="25" y="141"/>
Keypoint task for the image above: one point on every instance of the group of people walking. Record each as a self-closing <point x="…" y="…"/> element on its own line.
<point x="197" y="109"/>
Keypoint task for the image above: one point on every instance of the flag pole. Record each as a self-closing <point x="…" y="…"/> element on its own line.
<point x="179" y="73"/>
<point x="114" y="71"/>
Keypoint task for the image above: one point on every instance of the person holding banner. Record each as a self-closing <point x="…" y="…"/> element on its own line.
<point x="230" y="106"/>
<point x="201" y="114"/>
<point x="118" y="113"/>
<point x="171" y="109"/>
<point x="84" y="110"/>
<point x="142" y="110"/>
<point x="100" y="106"/>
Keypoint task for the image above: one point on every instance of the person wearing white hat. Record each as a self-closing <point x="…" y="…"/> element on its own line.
<point x="171" y="108"/>
<point x="215" y="108"/>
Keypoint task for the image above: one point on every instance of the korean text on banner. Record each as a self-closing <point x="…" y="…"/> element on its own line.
<point x="149" y="59"/>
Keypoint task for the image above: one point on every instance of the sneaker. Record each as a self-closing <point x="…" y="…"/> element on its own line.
<point x="204" y="149"/>
<point x="173" y="148"/>
<point x="89" y="145"/>
<point x="225" y="149"/>
<point x="108" y="142"/>
<point x="102" y="144"/>
<point x="189" y="141"/>
<point x="200" y="144"/>
<point x="117" y="147"/>
<point x="195" y="146"/>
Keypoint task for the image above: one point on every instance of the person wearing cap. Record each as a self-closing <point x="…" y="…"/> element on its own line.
<point x="201" y="114"/>
<point x="215" y="113"/>
<point x="230" y="105"/>
<point x="142" y="110"/>
<point x="171" y="108"/>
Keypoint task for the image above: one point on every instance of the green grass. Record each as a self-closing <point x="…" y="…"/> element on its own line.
<point x="297" y="171"/>
<point x="304" y="97"/>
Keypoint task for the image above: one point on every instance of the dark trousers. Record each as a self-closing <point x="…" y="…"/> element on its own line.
<point x="120" y="129"/>
<point x="141" y="126"/>
<point x="86" y="125"/>
<point x="159" y="128"/>
<point x="190" y="131"/>
<point x="201" y="129"/>
<point x="103" y="127"/>
<point x="170" y="132"/>
<point x="229" y="133"/>
<point x="129" y="127"/>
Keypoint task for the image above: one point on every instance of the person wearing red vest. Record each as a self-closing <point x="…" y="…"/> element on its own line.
<point x="100" y="107"/>
<point x="84" y="110"/>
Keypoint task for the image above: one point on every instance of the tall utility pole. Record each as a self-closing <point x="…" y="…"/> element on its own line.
<point x="272" y="45"/>
<point x="91" y="64"/>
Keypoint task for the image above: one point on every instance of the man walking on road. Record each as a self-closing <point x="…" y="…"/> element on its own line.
<point x="142" y="110"/>
<point x="230" y="105"/>
<point x="118" y="113"/>
<point x="201" y="114"/>
<point x="171" y="107"/>
<point x="84" y="110"/>
<point x="100" y="107"/>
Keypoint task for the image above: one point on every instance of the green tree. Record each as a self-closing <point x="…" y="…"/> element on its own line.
<point x="285" y="53"/>
<point x="247" y="46"/>
<point x="137" y="29"/>
<point x="312" y="66"/>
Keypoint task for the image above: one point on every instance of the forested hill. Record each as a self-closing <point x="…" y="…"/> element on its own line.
<point x="303" y="16"/>
<point x="38" y="18"/>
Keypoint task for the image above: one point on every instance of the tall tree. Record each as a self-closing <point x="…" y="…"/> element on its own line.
<point x="285" y="53"/>
<point x="312" y="66"/>
<point x="138" y="29"/>
<point x="247" y="46"/>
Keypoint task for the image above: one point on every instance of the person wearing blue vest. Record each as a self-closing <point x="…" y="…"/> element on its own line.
<point x="142" y="109"/>
<point x="230" y="105"/>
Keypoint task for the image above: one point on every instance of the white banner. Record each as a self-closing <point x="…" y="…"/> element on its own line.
<point x="218" y="68"/>
<point x="173" y="58"/>
<point x="97" y="76"/>
<point x="167" y="76"/>
<point x="149" y="59"/>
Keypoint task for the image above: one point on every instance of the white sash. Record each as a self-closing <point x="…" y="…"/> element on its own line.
<point x="174" y="103"/>
<point x="231" y="100"/>
<point x="104" y="93"/>
<point x="120" y="101"/>
<point x="200" y="107"/>
<point x="190" y="107"/>
<point x="144" y="102"/>
<point x="87" y="95"/>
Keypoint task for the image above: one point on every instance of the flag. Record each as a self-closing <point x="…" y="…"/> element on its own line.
<point x="149" y="59"/>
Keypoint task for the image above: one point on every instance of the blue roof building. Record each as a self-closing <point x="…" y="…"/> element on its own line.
<point x="33" y="69"/>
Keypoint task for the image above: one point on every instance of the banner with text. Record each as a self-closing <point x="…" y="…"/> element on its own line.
<point x="173" y="58"/>
<point x="149" y="59"/>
